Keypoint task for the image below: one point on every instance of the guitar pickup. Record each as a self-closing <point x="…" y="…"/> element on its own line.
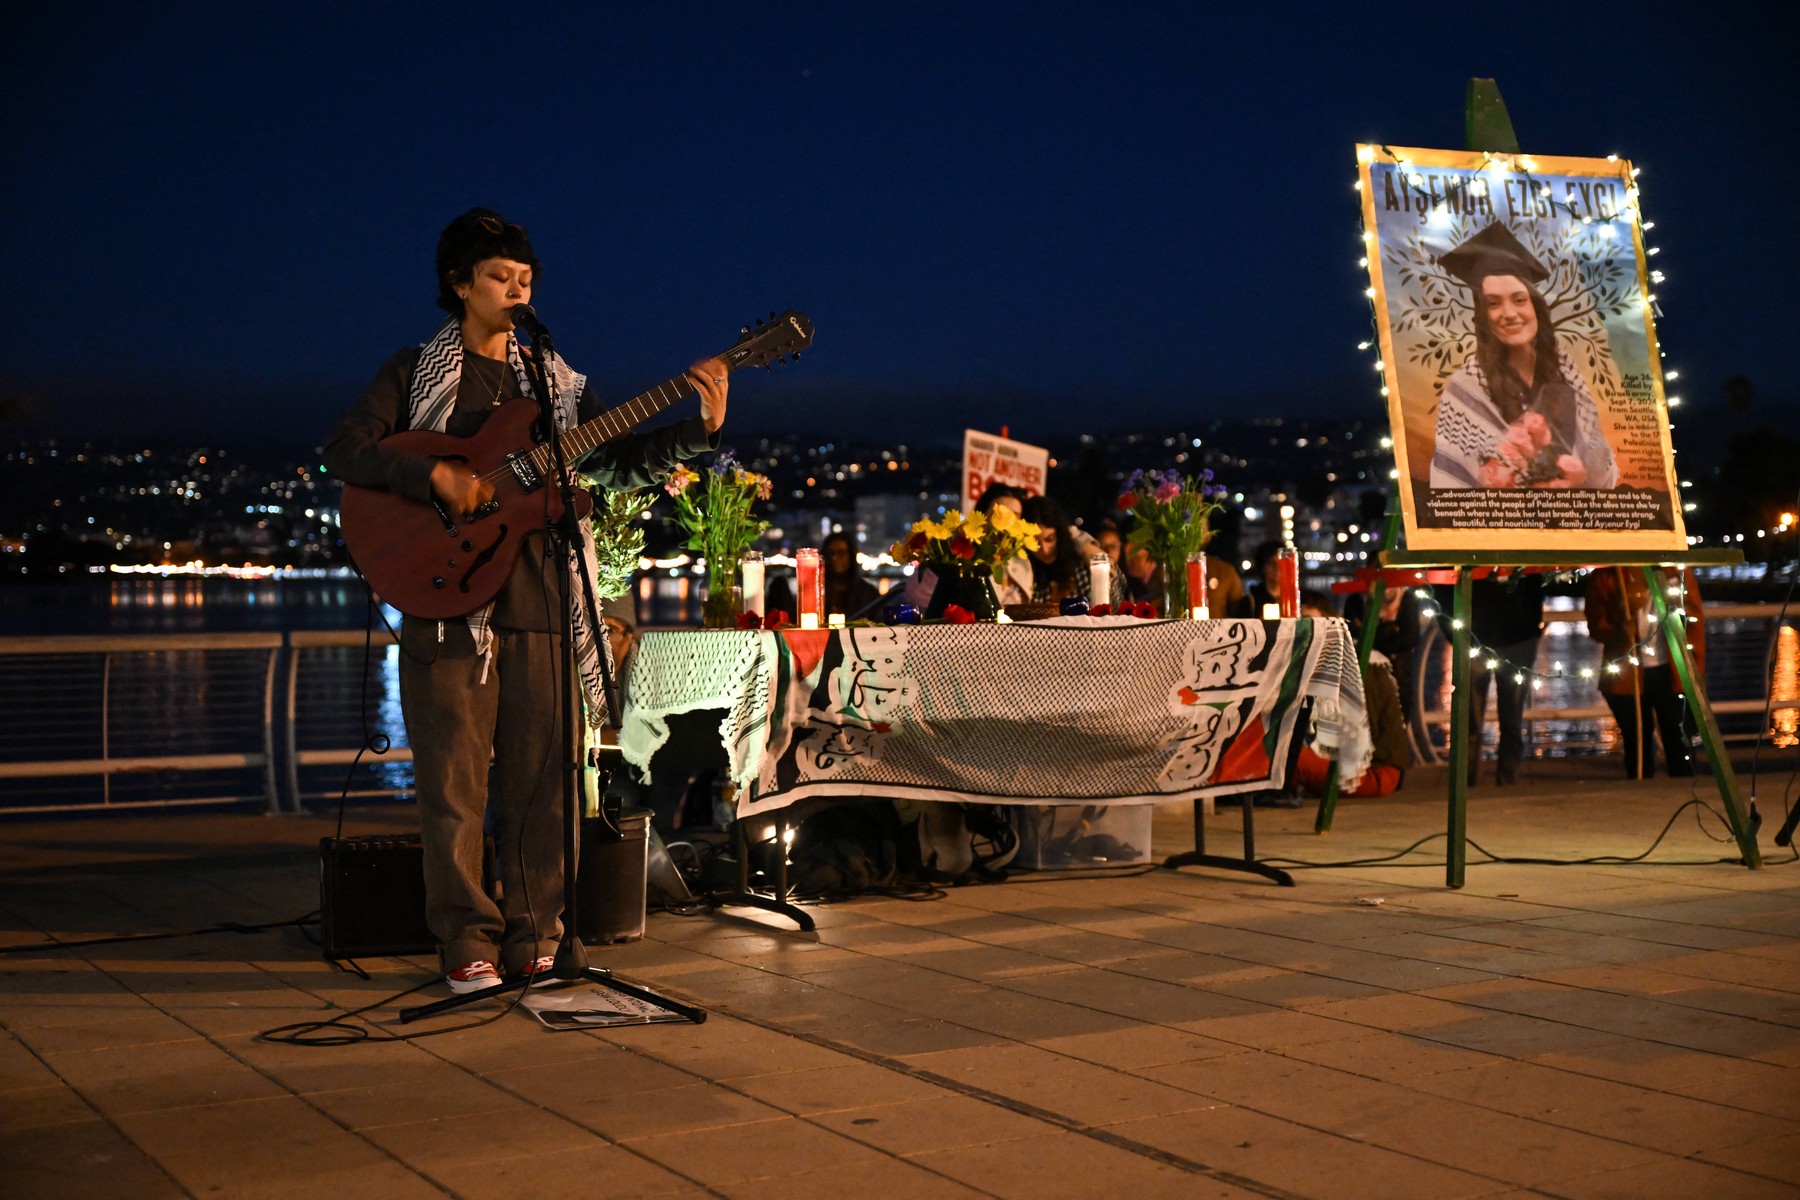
<point x="528" y="476"/>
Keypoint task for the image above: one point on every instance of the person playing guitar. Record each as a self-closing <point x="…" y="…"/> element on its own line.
<point x="486" y="680"/>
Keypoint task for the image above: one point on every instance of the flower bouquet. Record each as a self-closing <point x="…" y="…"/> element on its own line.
<point x="720" y="527"/>
<point x="1171" y="515"/>
<point x="967" y="553"/>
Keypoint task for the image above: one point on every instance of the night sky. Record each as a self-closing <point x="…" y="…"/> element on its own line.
<point x="1056" y="217"/>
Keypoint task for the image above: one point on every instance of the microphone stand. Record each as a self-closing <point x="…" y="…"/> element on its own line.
<point x="566" y="542"/>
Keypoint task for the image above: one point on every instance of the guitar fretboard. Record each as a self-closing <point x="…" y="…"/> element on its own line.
<point x="615" y="422"/>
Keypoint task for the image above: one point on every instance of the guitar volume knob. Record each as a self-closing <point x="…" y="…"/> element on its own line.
<point x="437" y="581"/>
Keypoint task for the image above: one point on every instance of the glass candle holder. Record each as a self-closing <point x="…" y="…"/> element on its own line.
<point x="809" y="587"/>
<point x="1100" y="579"/>
<point x="751" y="568"/>
<point x="1288" y="572"/>
<point x="1196" y="585"/>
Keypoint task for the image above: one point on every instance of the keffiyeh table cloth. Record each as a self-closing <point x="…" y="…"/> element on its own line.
<point x="1088" y="710"/>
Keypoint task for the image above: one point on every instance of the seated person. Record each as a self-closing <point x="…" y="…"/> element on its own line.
<point x="1059" y="566"/>
<point x="1387" y="728"/>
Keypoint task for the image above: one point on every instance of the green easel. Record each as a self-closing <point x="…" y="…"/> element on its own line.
<point x="1489" y="128"/>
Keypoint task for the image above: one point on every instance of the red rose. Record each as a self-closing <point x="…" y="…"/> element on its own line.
<point x="776" y="619"/>
<point x="1099" y="610"/>
<point x="916" y="542"/>
<point x="1142" y="608"/>
<point x="1127" y="501"/>
<point x="962" y="547"/>
<point x="956" y="614"/>
<point x="749" y="620"/>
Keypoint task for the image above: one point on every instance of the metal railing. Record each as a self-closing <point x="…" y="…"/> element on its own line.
<point x="116" y="722"/>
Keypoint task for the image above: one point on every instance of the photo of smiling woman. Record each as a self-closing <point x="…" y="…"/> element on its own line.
<point x="1516" y="413"/>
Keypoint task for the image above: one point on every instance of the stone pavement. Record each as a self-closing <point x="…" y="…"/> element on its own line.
<point x="1602" y="1030"/>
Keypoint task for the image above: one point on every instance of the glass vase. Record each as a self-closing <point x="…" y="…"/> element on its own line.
<point x="724" y="599"/>
<point x="1175" y="587"/>
<point x="966" y="585"/>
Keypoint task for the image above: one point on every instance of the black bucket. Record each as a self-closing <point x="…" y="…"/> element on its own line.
<point x="610" y="888"/>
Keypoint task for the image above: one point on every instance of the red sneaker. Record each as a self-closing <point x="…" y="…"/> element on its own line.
<point x="472" y="977"/>
<point x="539" y="970"/>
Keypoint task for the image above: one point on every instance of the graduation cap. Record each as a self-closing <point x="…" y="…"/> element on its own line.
<point x="1493" y="251"/>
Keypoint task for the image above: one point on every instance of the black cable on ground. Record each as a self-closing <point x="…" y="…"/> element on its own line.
<point x="311" y="918"/>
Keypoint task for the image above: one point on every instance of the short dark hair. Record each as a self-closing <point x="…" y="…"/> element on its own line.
<point x="479" y="234"/>
<point x="993" y="492"/>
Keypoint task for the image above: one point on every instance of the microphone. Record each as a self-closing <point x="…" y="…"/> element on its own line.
<point x="523" y="317"/>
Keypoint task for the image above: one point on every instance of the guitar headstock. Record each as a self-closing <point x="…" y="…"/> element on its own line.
<point x="767" y="343"/>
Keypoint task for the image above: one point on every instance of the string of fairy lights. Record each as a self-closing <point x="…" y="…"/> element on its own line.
<point x="1515" y="165"/>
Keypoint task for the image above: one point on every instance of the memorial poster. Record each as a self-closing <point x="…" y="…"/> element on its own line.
<point x="1518" y="353"/>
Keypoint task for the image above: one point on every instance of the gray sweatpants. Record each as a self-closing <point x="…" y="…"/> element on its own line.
<point x="455" y="720"/>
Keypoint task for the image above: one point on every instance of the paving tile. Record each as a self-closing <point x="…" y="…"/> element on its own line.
<point x="187" y="1143"/>
<point x="1773" y="1091"/>
<point x="595" y="1169"/>
<point x="1519" y="1150"/>
<point x="163" y="1075"/>
<point x="1077" y="1091"/>
<point x="126" y="1022"/>
<point x="1647" y="1064"/>
<point x="1771" y="1158"/>
<point x="685" y="1109"/>
<point x="441" y="1148"/>
<point x="916" y="1126"/>
<point x="1395" y="1057"/>
<point x="19" y="1067"/>
<point x="53" y="1103"/>
<point x="1137" y="1046"/>
<point x="446" y="1092"/>
<point x="830" y="1089"/>
<point x="726" y="1048"/>
<point x="731" y="1154"/>
<point x="1129" y="996"/>
<point x="82" y="1160"/>
<point x="1671" y="1178"/>
<point x="1068" y="1164"/>
<point x="884" y="1177"/>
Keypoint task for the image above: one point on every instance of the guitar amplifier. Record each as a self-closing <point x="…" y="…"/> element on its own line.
<point x="372" y="897"/>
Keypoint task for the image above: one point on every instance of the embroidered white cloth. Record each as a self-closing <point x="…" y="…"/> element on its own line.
<point x="1108" y="710"/>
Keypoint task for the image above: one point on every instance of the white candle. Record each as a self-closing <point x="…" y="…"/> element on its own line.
<point x="1100" y="579"/>
<point x="835" y="621"/>
<point x="752" y="568"/>
<point x="1271" y="612"/>
<point x="1200" y="612"/>
<point x="809" y="620"/>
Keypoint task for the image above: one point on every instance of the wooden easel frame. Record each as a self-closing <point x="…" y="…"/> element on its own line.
<point x="1488" y="127"/>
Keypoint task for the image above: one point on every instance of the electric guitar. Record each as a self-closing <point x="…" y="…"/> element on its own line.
<point x="426" y="562"/>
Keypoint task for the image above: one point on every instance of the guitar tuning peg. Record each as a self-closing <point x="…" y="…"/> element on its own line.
<point x="744" y="329"/>
<point x="768" y="366"/>
<point x="771" y="314"/>
<point x="795" y="356"/>
<point x="759" y="323"/>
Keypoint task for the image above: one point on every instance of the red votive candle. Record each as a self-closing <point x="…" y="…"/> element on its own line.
<point x="1196" y="581"/>
<point x="1288" y="566"/>
<point x="809" y="586"/>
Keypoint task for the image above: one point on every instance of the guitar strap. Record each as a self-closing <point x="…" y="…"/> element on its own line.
<point x="431" y="399"/>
